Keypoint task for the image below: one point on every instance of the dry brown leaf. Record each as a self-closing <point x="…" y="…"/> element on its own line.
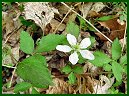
<point x="60" y="87"/>
<point x="54" y="23"/>
<point x="102" y="88"/>
<point x="98" y="6"/>
<point x="88" y="67"/>
<point x="84" y="84"/>
<point x="84" y="8"/>
<point x="7" y="23"/>
<point x="9" y="59"/>
<point x="40" y="12"/>
<point x="10" y="21"/>
<point x="62" y="10"/>
<point x="93" y="14"/>
<point x="116" y="29"/>
<point x="71" y="17"/>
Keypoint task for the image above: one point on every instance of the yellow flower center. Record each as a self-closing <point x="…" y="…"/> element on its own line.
<point x="76" y="47"/>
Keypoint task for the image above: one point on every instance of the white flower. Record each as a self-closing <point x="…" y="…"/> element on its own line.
<point x="75" y="47"/>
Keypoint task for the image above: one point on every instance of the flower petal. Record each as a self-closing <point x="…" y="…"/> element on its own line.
<point x="63" y="48"/>
<point x="71" y="39"/>
<point x="73" y="58"/>
<point x="87" y="54"/>
<point x="85" y="43"/>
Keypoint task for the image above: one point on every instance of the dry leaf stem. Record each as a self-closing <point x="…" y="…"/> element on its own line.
<point x="87" y="22"/>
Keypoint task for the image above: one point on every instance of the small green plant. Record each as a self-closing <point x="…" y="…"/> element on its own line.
<point x="116" y="64"/>
<point x="34" y="72"/>
<point x="72" y="71"/>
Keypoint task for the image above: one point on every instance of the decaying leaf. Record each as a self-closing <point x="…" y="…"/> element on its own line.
<point x="85" y="8"/>
<point x="8" y="58"/>
<point x="54" y="23"/>
<point x="101" y="88"/>
<point x="90" y="67"/>
<point x="116" y="29"/>
<point x="84" y="85"/>
<point x="7" y="23"/>
<point x="98" y="6"/>
<point x="60" y="87"/>
<point x="40" y="12"/>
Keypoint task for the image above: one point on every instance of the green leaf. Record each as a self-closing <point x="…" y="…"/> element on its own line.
<point x="49" y="42"/>
<point x="72" y="78"/>
<point x="92" y="39"/>
<point x="78" y="69"/>
<point x="22" y="86"/>
<point x="107" y="67"/>
<point x="100" y="59"/>
<point x="26" y="43"/>
<point x="82" y="23"/>
<point x="117" y="71"/>
<point x="34" y="91"/>
<point x="116" y="49"/>
<point x="67" y="69"/>
<point x="34" y="70"/>
<point x="105" y="18"/>
<point x="123" y="60"/>
<point x="25" y="22"/>
<point x="73" y="29"/>
<point x="116" y="84"/>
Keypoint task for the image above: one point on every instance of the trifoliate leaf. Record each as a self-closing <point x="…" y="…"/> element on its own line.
<point x="26" y="43"/>
<point x="72" y="78"/>
<point x="117" y="71"/>
<point x="35" y="71"/>
<point x="116" y="49"/>
<point x="100" y="59"/>
<point x="73" y="29"/>
<point x="78" y="69"/>
<point x="49" y="42"/>
<point x="22" y="86"/>
<point x="67" y="69"/>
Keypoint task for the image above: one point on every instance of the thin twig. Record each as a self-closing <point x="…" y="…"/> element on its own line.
<point x="8" y="66"/>
<point x="13" y="73"/>
<point x="10" y="83"/>
<point x="87" y="22"/>
<point x="62" y="20"/>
